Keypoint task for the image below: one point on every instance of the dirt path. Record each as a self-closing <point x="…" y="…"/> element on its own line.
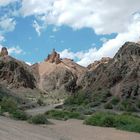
<point x="41" y="110"/>
<point x="60" y="130"/>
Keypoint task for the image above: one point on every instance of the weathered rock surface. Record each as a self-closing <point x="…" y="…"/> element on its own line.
<point x="15" y="74"/>
<point x="125" y="65"/>
<point x="57" y="74"/>
<point x="54" y="57"/>
<point x="94" y="65"/>
<point x="121" y="75"/>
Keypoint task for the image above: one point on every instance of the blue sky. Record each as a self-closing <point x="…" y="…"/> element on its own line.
<point x="30" y="32"/>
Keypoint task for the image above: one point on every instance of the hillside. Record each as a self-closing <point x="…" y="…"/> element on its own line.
<point x="56" y="74"/>
<point x="120" y="76"/>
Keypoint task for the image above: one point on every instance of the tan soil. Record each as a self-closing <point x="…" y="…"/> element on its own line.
<point x="60" y="130"/>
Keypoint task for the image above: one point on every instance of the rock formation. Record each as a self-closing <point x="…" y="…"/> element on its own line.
<point x="54" y="57"/>
<point x="15" y="74"/>
<point x="4" y="52"/>
<point x="94" y="65"/>
<point x="121" y="76"/>
<point x="57" y="74"/>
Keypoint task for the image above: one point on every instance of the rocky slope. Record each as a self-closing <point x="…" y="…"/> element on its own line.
<point x="15" y="74"/>
<point x="57" y="74"/>
<point x="16" y="78"/>
<point x="121" y="75"/>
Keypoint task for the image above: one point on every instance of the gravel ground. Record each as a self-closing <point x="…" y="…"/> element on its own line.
<point x="60" y="130"/>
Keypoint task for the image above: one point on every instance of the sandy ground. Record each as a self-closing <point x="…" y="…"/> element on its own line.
<point x="41" y="110"/>
<point x="60" y="130"/>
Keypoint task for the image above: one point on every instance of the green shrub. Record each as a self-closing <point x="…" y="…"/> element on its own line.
<point x="39" y="119"/>
<point x="126" y="105"/>
<point x="123" y="122"/>
<point x="101" y="119"/>
<point x="78" y="99"/>
<point x="20" y="115"/>
<point x="108" y="106"/>
<point x="88" y="97"/>
<point x="115" y="100"/>
<point x="63" y="115"/>
<point x="8" y="105"/>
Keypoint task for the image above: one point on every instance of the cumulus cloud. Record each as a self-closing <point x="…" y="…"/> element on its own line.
<point x="104" y="16"/>
<point x="7" y="24"/>
<point x="15" y="50"/>
<point x="6" y="2"/>
<point x="109" y="48"/>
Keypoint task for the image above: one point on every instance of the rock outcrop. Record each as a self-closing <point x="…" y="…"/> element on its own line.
<point x="54" y="57"/>
<point x="57" y="74"/>
<point x="124" y="65"/>
<point x="121" y="76"/>
<point x="4" y="52"/>
<point x="14" y="73"/>
<point x="104" y="60"/>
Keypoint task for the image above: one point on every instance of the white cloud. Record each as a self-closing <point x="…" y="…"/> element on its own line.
<point x="6" y="2"/>
<point x="2" y="38"/>
<point x="103" y="39"/>
<point x="7" y="24"/>
<point x="37" y="27"/>
<point x="29" y="63"/>
<point x="15" y="50"/>
<point x="104" y="16"/>
<point x="109" y="48"/>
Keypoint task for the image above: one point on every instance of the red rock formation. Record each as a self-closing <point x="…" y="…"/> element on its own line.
<point x="54" y="57"/>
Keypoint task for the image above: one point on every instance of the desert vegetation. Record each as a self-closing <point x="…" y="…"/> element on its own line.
<point x="63" y="115"/>
<point x="124" y="121"/>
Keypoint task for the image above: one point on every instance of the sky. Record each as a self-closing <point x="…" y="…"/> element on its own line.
<point x="83" y="30"/>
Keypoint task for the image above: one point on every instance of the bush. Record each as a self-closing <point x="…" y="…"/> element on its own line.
<point x="88" y="97"/>
<point x="127" y="106"/>
<point x="39" y="119"/>
<point x="20" y="115"/>
<point x="8" y="105"/>
<point x="123" y="122"/>
<point x="108" y="106"/>
<point x="115" y="100"/>
<point x="78" y="99"/>
<point x="101" y="119"/>
<point x="63" y="115"/>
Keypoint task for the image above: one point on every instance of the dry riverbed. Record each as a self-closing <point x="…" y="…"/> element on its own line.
<point x="60" y="130"/>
